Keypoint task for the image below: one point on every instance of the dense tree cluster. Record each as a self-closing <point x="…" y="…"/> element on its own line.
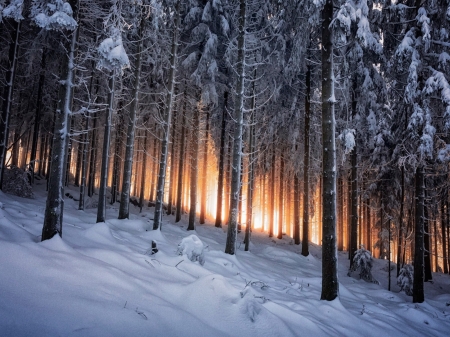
<point x="327" y="121"/>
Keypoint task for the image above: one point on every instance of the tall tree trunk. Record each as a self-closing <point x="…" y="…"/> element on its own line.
<point x="427" y="248"/>
<point x="37" y="118"/>
<point x="53" y="218"/>
<point x="69" y="154"/>
<point x="101" y="211"/>
<point x="157" y="219"/>
<point x="181" y="161"/>
<point x="154" y="166"/>
<point x="305" y="236"/>
<point x="172" y="167"/>
<point x="143" y="171"/>
<point x="251" y="175"/>
<point x="330" y="283"/>
<point x="280" y="199"/>
<point x="296" y="208"/>
<point x="93" y="158"/>
<point x="194" y="170"/>
<point x="444" y="224"/>
<point x="204" y="172"/>
<point x="272" y="191"/>
<point x="419" y="275"/>
<point x="237" y="136"/>
<point x="354" y="184"/>
<point x="400" y="238"/>
<point x="218" y="222"/>
<point x="8" y="96"/>
<point x="124" y="209"/>
<point x="341" y="214"/>
<point x="117" y="161"/>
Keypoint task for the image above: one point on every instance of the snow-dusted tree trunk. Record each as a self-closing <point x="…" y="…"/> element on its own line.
<point x="251" y="172"/>
<point x="194" y="170"/>
<point x="330" y="284"/>
<point x="272" y="190"/>
<point x="53" y="218"/>
<point x="166" y="126"/>
<point x="101" y="211"/>
<point x="204" y="169"/>
<point x="230" y="247"/>
<point x="172" y="169"/>
<point x="8" y="96"/>
<point x="354" y="183"/>
<point x="181" y="161"/>
<point x="93" y="158"/>
<point x="305" y="235"/>
<point x="221" y="169"/>
<point x="124" y="209"/>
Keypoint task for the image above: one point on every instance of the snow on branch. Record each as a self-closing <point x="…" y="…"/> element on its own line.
<point x="12" y="11"/>
<point x="54" y="15"/>
<point x="438" y="82"/>
<point x="112" y="53"/>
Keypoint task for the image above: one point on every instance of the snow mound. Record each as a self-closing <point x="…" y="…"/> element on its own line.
<point x="16" y="183"/>
<point x="192" y="247"/>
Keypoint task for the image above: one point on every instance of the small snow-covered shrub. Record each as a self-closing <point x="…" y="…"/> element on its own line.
<point x="405" y="279"/>
<point x="363" y="262"/>
<point x="192" y="247"/>
<point x="16" y="182"/>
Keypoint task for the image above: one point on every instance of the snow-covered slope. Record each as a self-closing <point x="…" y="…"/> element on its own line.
<point x="101" y="280"/>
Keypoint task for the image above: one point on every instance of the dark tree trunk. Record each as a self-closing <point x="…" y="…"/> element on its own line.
<point x="296" y="208"/>
<point x="117" y="162"/>
<point x="93" y="158"/>
<point x="251" y="147"/>
<point x="341" y="214"/>
<point x="172" y="168"/>
<point x="204" y="170"/>
<point x="401" y="239"/>
<point x="305" y="236"/>
<point x="37" y="118"/>
<point x="101" y="211"/>
<point x="330" y="283"/>
<point x="194" y="170"/>
<point x="419" y="275"/>
<point x="272" y="190"/>
<point x="143" y="171"/>
<point x="218" y="222"/>
<point x="8" y="96"/>
<point x="427" y="247"/>
<point x="444" y="224"/>
<point x="280" y="199"/>
<point x="181" y="161"/>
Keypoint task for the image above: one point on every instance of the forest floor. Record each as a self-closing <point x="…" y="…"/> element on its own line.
<point x="100" y="280"/>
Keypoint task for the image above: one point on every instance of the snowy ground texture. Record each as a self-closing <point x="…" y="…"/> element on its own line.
<point x="101" y="280"/>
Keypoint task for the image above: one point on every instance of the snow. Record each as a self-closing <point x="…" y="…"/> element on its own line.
<point x="100" y="280"/>
<point x="54" y="15"/>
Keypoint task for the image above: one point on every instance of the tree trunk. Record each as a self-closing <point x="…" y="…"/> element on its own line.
<point x="401" y="239"/>
<point x="305" y="236"/>
<point x="157" y="219"/>
<point x="419" y="275"/>
<point x="354" y="187"/>
<point x="296" y="208"/>
<point x="181" y="161"/>
<point x="53" y="218"/>
<point x="427" y="248"/>
<point x="330" y="283"/>
<point x="251" y="175"/>
<point x="444" y="223"/>
<point x="204" y="172"/>
<point x="172" y="169"/>
<point x="194" y="170"/>
<point x="117" y="154"/>
<point x="143" y="171"/>
<point x="280" y="199"/>
<point x="237" y="136"/>
<point x="8" y="97"/>
<point x="218" y="222"/>
<point x="101" y="211"/>
<point x="37" y="118"/>
<point x="272" y="191"/>
<point x="340" y="195"/>
<point x="124" y="209"/>
<point x="93" y="158"/>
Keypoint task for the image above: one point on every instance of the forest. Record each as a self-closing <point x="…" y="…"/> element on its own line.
<point x="325" y="121"/>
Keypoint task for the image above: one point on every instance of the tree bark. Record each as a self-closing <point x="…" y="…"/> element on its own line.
<point x="305" y="236"/>
<point x="8" y="97"/>
<point x="204" y="172"/>
<point x="354" y="184"/>
<point x="330" y="283"/>
<point x="101" y="211"/>
<point x="181" y="161"/>
<point x="419" y="274"/>
<point x="194" y="170"/>
<point x="157" y="219"/>
<point x="143" y="172"/>
<point x="218" y="222"/>
<point x="53" y="218"/>
<point x="124" y="209"/>
<point x="237" y="136"/>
